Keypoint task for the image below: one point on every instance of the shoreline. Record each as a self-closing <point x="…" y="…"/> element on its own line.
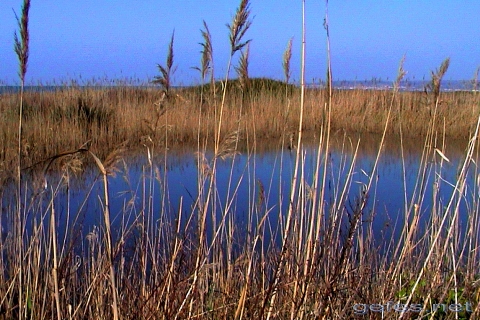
<point x="64" y="120"/>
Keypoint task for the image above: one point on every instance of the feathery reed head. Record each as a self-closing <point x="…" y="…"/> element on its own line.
<point x="166" y="72"/>
<point x="170" y="52"/>
<point x="437" y="76"/>
<point x="475" y="79"/>
<point x="207" y="51"/>
<point x="239" y="27"/>
<point x="21" y="46"/>
<point x="228" y="146"/>
<point x="242" y="69"/>
<point x="287" y="56"/>
<point x="401" y="73"/>
<point x="114" y="157"/>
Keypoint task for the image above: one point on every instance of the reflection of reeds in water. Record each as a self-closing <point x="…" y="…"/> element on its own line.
<point x="317" y="258"/>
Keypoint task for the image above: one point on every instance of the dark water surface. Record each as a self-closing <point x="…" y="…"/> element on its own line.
<point x="263" y="180"/>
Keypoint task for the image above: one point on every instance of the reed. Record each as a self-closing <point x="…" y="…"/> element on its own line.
<point x="166" y="73"/>
<point x="21" y="47"/>
<point x="160" y="263"/>
<point x="206" y="62"/>
<point x="54" y="121"/>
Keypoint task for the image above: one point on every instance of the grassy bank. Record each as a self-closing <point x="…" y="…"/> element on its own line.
<point x="332" y="265"/>
<point x="61" y="120"/>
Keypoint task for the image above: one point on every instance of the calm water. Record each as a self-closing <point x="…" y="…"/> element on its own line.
<point x="139" y="189"/>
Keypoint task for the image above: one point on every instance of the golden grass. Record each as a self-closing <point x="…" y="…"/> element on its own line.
<point x="63" y="120"/>
<point x="162" y="269"/>
<point x="196" y="263"/>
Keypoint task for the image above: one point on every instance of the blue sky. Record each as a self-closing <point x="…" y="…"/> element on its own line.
<point x="100" y="39"/>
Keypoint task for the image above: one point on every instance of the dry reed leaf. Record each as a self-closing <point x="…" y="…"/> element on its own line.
<point x="92" y="236"/>
<point x="442" y="155"/>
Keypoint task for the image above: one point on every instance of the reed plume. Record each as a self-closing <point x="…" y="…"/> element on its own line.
<point x="21" y="45"/>
<point x="239" y="27"/>
<point x="437" y="76"/>
<point x="207" y="52"/>
<point x="206" y="63"/>
<point x="242" y="69"/>
<point x="287" y="57"/>
<point x="21" y="48"/>
<point x="165" y="78"/>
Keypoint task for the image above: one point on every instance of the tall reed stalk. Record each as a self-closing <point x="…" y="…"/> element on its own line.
<point x="53" y="231"/>
<point x="460" y="185"/>
<point x="21" y="47"/>
<point x="237" y="28"/>
<point x="109" y="238"/>
<point x="205" y="68"/>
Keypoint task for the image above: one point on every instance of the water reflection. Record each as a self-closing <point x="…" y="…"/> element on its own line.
<point x="252" y="184"/>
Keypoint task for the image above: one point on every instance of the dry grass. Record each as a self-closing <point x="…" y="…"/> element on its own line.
<point x="165" y="265"/>
<point x="196" y="262"/>
<point x="62" y="120"/>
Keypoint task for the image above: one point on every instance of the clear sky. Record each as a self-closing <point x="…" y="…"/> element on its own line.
<point x="97" y="39"/>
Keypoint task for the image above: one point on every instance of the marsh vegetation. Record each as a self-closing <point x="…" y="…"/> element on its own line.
<point x="63" y="118"/>
<point x="311" y="252"/>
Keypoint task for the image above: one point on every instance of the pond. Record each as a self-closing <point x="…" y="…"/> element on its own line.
<point x="162" y="192"/>
<point x="158" y="188"/>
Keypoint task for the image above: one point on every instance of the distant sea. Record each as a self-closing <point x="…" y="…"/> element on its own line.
<point x="16" y="89"/>
<point x="407" y="85"/>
